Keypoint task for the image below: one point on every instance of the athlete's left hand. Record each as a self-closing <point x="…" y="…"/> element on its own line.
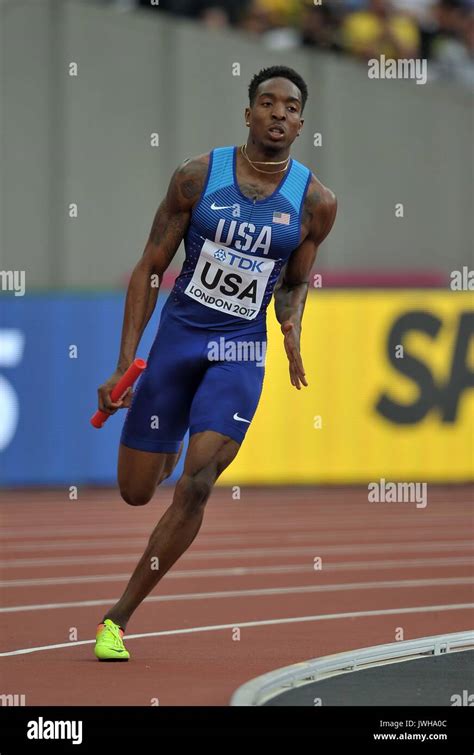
<point x="292" y="348"/>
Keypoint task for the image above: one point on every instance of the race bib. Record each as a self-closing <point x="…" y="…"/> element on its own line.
<point x="229" y="281"/>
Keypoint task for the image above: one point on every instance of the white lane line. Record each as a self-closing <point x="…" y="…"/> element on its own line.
<point x="264" y="623"/>
<point x="119" y="541"/>
<point x="128" y="542"/>
<point x="258" y="592"/>
<point x="278" y="526"/>
<point x="315" y="550"/>
<point x="144" y="529"/>
<point x="242" y="571"/>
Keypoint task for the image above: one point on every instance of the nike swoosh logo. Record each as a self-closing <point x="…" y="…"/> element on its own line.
<point x="240" y="419"/>
<point x="224" y="207"/>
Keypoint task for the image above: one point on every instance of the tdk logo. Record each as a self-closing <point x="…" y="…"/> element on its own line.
<point x="242" y="263"/>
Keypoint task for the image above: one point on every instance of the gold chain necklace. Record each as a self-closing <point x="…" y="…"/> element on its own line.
<point x="264" y="162"/>
<point x="268" y="172"/>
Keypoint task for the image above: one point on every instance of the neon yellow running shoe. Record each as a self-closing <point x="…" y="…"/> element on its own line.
<point x="108" y="643"/>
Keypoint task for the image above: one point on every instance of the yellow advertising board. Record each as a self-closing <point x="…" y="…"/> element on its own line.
<point x="391" y="379"/>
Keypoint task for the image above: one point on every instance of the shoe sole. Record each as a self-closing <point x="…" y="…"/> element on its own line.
<point x="113" y="658"/>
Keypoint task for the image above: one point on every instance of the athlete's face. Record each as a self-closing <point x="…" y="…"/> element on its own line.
<point x="275" y="116"/>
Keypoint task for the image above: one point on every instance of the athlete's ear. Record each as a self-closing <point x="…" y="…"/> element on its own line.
<point x="247" y="116"/>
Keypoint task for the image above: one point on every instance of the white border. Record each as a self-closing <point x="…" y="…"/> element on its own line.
<point x="263" y="688"/>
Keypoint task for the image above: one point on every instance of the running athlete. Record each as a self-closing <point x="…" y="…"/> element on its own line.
<point x="252" y="219"/>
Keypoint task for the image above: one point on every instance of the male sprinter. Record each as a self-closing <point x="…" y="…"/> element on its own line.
<point x="246" y="215"/>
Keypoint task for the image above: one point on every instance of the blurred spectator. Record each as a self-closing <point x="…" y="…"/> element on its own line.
<point x="439" y="30"/>
<point x="319" y="26"/>
<point x="420" y="10"/>
<point x="270" y="20"/>
<point x="215" y="17"/>
<point x="233" y="9"/>
<point x="179" y="7"/>
<point x="283" y="12"/>
<point x="257" y="19"/>
<point x="452" y="44"/>
<point x="380" y="31"/>
<point x="351" y="5"/>
<point x="212" y="12"/>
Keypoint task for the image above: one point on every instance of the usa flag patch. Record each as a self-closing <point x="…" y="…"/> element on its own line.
<point x="281" y="217"/>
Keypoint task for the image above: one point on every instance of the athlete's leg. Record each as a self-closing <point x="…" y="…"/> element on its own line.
<point x="139" y="472"/>
<point x="219" y="416"/>
<point x="158" y="418"/>
<point x="209" y="453"/>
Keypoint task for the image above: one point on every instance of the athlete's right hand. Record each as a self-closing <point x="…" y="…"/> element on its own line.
<point x="292" y="347"/>
<point x="105" y="403"/>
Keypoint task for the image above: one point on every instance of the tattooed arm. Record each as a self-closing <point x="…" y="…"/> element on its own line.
<point x="319" y="213"/>
<point x="168" y="230"/>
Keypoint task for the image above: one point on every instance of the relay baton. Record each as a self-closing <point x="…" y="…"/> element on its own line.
<point x="127" y="380"/>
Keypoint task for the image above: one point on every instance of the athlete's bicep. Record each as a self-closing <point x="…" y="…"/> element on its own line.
<point x="167" y="232"/>
<point x="320" y="211"/>
<point x="173" y="216"/>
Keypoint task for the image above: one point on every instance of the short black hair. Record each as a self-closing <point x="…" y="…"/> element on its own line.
<point x="283" y="72"/>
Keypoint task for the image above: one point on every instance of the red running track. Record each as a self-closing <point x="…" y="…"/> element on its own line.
<point x="246" y="598"/>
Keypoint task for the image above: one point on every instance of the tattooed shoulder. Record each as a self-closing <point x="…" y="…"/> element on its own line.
<point x="319" y="205"/>
<point x="191" y="176"/>
<point x="311" y="202"/>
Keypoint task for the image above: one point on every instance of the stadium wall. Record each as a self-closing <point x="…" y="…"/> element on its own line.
<point x="85" y="140"/>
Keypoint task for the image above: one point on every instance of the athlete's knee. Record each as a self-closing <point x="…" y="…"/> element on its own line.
<point x="167" y="472"/>
<point x="163" y="476"/>
<point x="135" y="497"/>
<point x="169" y="466"/>
<point x="193" y="491"/>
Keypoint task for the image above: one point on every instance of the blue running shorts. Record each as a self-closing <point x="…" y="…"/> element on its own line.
<point x="197" y="379"/>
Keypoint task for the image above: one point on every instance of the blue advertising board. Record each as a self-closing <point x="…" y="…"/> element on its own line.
<point x="55" y="351"/>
